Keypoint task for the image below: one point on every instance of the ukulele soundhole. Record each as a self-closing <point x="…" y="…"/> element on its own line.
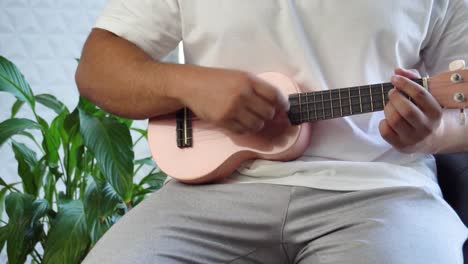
<point x="184" y="128"/>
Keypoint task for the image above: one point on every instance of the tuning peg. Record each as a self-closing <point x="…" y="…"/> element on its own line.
<point x="462" y="117"/>
<point x="457" y="65"/>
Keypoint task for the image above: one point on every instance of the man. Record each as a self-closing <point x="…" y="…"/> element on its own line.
<point x="364" y="191"/>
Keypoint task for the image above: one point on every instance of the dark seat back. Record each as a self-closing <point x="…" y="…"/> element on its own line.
<point x="452" y="170"/>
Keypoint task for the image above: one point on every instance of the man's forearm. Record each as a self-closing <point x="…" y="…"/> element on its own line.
<point x="122" y="79"/>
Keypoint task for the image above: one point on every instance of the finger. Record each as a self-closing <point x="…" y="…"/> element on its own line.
<point x="399" y="124"/>
<point x="271" y="94"/>
<point x="250" y="121"/>
<point x="412" y="114"/>
<point x="389" y="135"/>
<point x="422" y="98"/>
<point x="261" y="108"/>
<point x="235" y="127"/>
<point x="408" y="73"/>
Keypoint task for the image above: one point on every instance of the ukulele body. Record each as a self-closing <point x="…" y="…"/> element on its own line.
<point x="216" y="152"/>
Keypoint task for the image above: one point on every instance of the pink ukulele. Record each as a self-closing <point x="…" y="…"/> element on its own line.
<point x="194" y="151"/>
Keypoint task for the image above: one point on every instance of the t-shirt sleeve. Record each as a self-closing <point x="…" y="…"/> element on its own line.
<point x="448" y="42"/>
<point x="448" y="36"/>
<point x="152" y="25"/>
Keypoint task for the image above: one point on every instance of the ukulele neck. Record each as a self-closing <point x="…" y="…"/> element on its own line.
<point x="323" y="105"/>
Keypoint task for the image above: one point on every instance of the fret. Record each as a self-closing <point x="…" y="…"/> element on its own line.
<point x="376" y="94"/>
<point x="293" y="110"/>
<point x="341" y="107"/>
<point x="371" y="100"/>
<point x="383" y="95"/>
<point x="386" y="93"/>
<point x="365" y="100"/>
<point x="331" y="102"/>
<point x="300" y="109"/>
<point x="344" y="102"/>
<point x="349" y="97"/>
<point x="307" y="106"/>
<point x="355" y="105"/>
<point x="360" y="100"/>
<point x="315" y="107"/>
<point x="183" y="128"/>
<point x="323" y="106"/>
<point x="335" y="96"/>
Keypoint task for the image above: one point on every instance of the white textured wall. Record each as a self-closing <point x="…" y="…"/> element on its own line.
<point x="43" y="38"/>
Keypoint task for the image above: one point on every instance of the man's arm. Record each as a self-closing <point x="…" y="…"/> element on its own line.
<point x="122" y="79"/>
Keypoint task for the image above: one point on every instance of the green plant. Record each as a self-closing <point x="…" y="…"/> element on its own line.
<point x="77" y="175"/>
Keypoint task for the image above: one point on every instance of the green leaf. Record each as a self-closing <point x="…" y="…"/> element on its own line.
<point x="111" y="144"/>
<point x="49" y="187"/>
<point x="71" y="137"/>
<point x="13" y="126"/>
<point x="43" y="123"/>
<point x="23" y="232"/>
<point x="72" y="121"/>
<point x="58" y="124"/>
<point x="13" y="81"/>
<point x="146" y="161"/>
<point x="142" y="132"/>
<point x="28" y="135"/>
<point x="51" y="102"/>
<point x="18" y="208"/>
<point x="154" y="180"/>
<point x="16" y="107"/>
<point x="100" y="202"/>
<point x="2" y="202"/>
<point x="68" y="238"/>
<point x="3" y="236"/>
<point x="2" y="182"/>
<point x="51" y="141"/>
<point x="88" y="107"/>
<point x="125" y="121"/>
<point x="27" y="162"/>
<point x="76" y="150"/>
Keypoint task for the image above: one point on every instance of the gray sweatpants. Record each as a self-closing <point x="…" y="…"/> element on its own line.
<point x="263" y="223"/>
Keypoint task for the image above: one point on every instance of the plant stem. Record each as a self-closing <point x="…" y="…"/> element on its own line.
<point x="37" y="255"/>
<point x="138" y="169"/>
<point x="11" y="187"/>
<point x="140" y="138"/>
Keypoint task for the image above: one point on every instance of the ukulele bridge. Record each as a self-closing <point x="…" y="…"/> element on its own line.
<point x="184" y="128"/>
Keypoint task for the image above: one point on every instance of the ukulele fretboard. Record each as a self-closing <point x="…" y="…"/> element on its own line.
<point x="322" y="105"/>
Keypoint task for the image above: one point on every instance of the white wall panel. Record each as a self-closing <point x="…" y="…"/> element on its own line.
<point x="43" y="38"/>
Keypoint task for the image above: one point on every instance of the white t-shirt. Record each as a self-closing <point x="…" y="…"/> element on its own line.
<point x="321" y="45"/>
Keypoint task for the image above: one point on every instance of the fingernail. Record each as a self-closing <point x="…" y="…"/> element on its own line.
<point x="394" y="78"/>
<point x="392" y="91"/>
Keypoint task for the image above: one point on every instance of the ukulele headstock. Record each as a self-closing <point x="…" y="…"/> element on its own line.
<point x="450" y="89"/>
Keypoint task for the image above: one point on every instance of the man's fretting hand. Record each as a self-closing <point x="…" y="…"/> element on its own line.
<point x="236" y="100"/>
<point x="408" y="123"/>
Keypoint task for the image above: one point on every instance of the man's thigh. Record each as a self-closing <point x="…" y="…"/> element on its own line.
<point x="401" y="225"/>
<point x="219" y="223"/>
